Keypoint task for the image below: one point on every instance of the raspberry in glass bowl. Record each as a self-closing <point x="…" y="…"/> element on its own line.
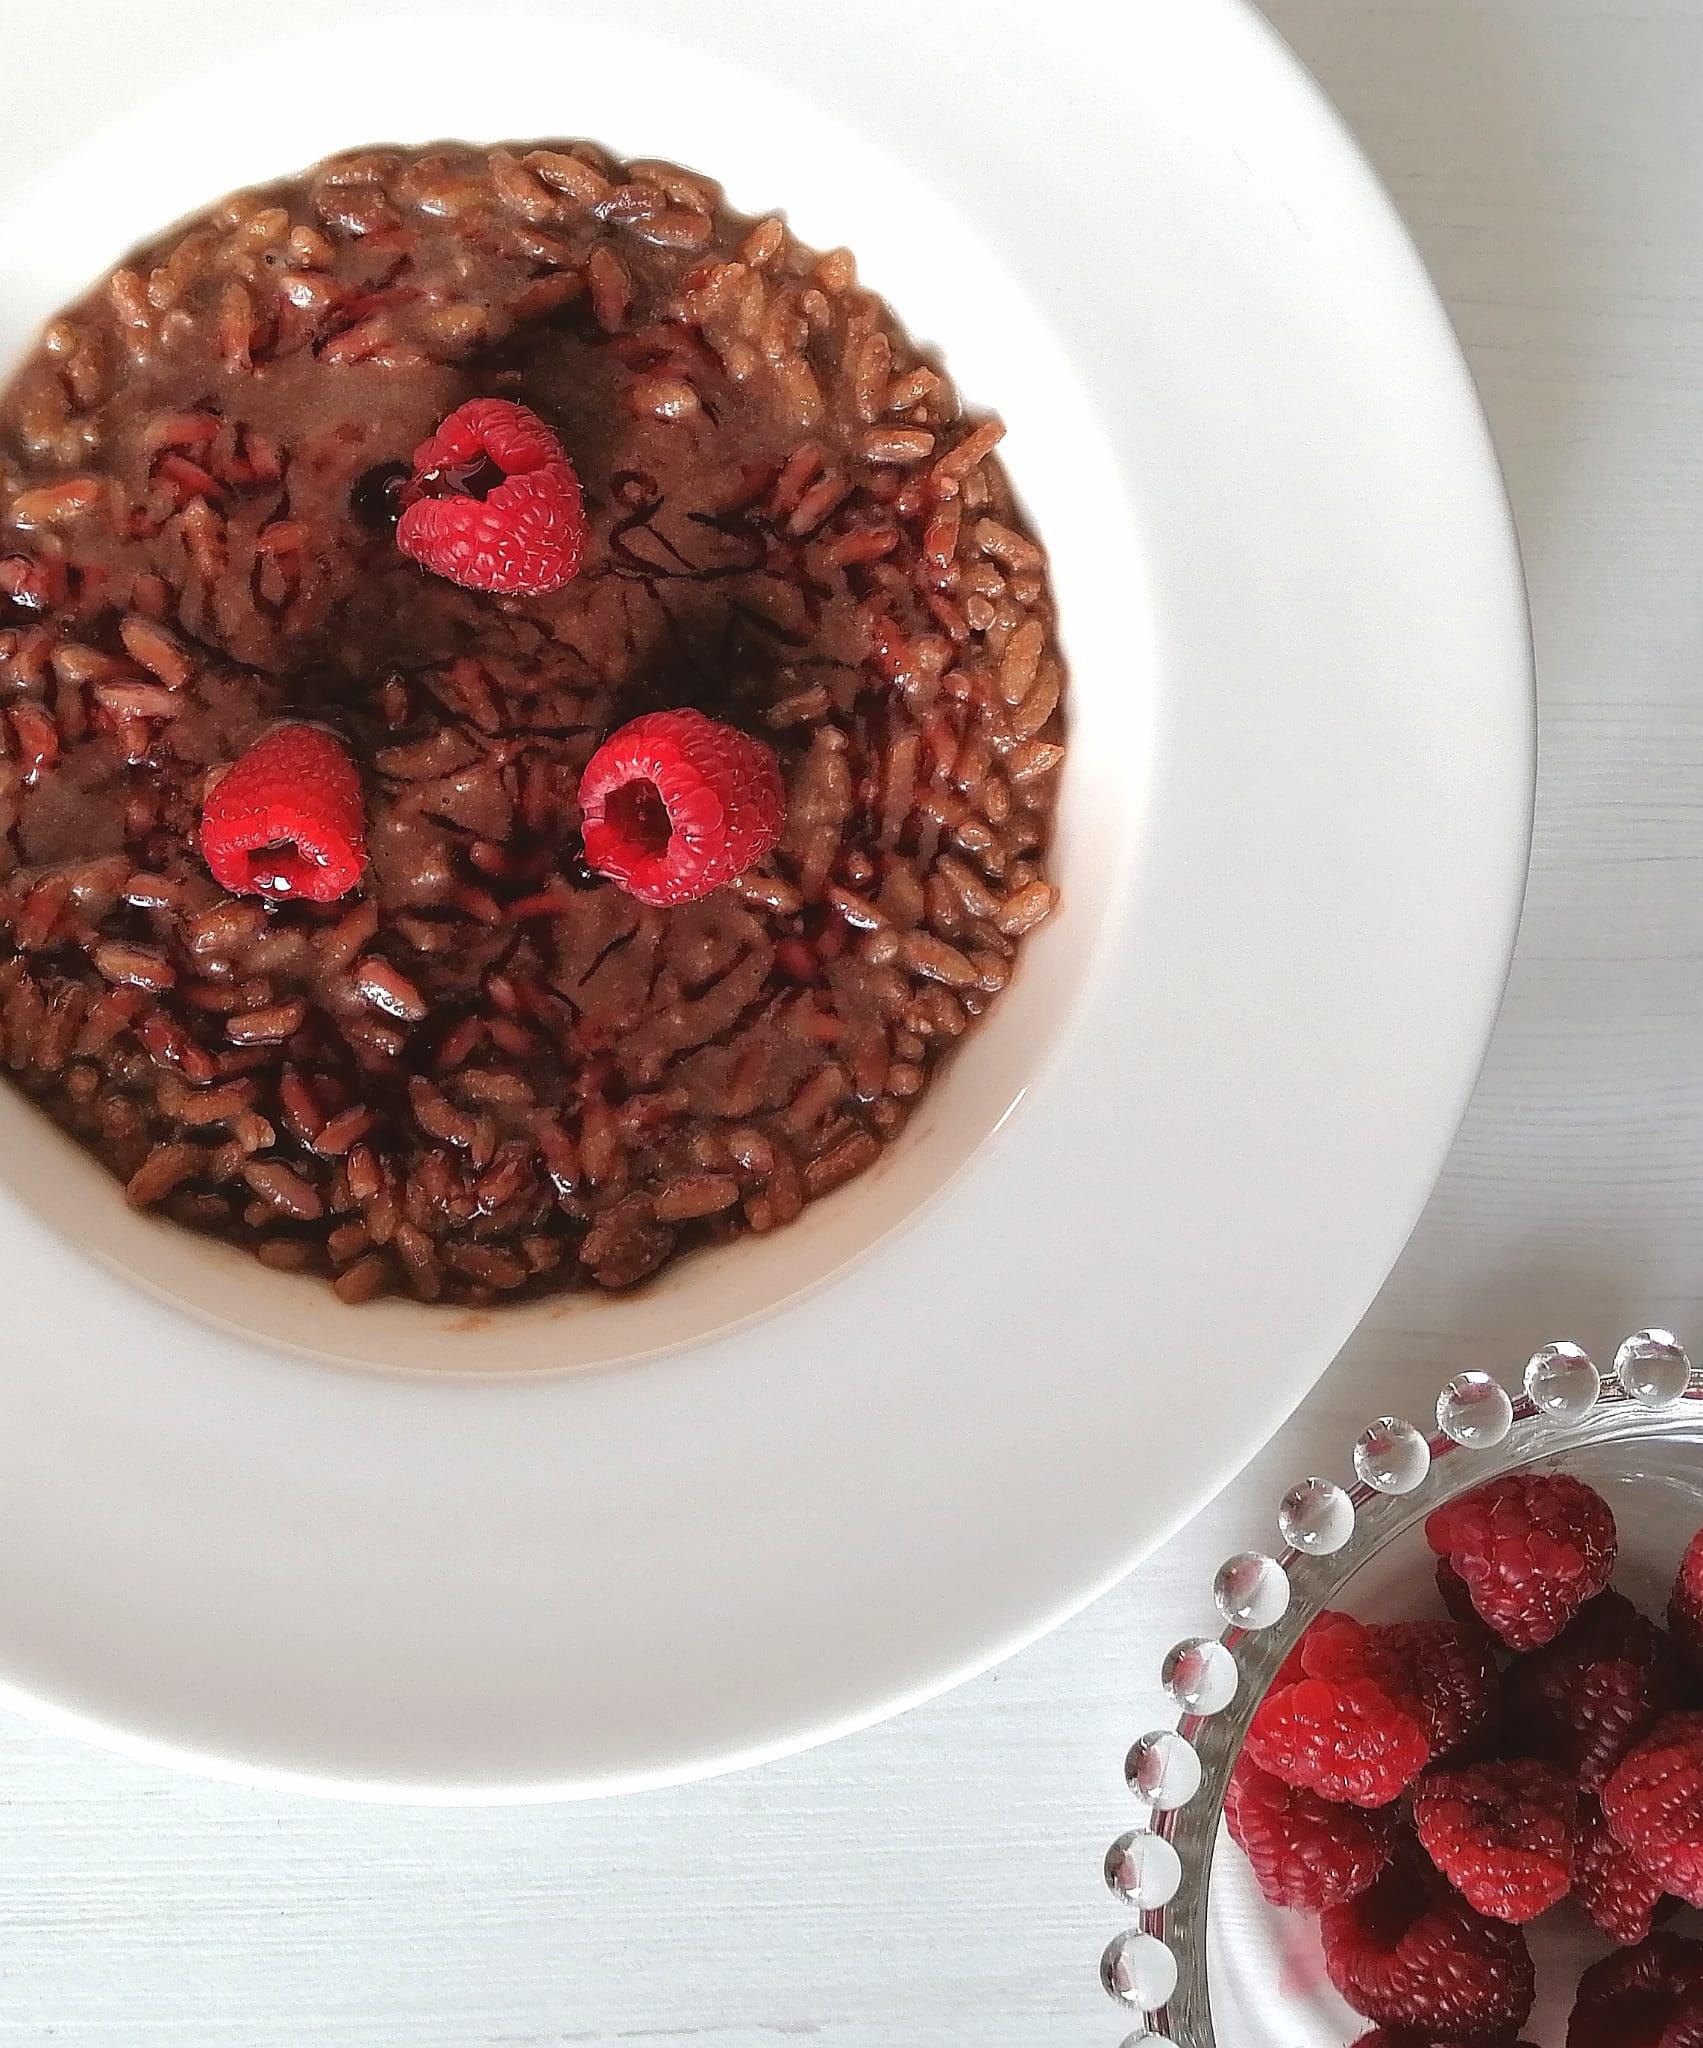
<point x="1439" y="1777"/>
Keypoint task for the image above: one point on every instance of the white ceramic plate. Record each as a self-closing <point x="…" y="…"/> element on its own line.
<point x="237" y="1529"/>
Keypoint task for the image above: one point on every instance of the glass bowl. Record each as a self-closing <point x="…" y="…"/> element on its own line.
<point x="1205" y="1961"/>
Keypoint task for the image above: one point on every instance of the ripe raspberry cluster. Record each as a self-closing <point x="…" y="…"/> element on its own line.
<point x="1428" y="1787"/>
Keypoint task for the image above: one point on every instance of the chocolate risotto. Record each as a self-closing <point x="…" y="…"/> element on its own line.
<point x="488" y="1072"/>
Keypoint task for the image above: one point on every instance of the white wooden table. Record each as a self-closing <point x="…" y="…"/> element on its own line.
<point x="935" y="1882"/>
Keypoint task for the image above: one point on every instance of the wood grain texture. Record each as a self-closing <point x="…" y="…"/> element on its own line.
<point x="934" y="1883"/>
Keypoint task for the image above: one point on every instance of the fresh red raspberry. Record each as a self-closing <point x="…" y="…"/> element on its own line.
<point x="286" y="818"/>
<point x="1293" y="1666"/>
<point x="1408" y="1691"/>
<point x="1412" y="1953"/>
<point x="1654" y="1804"/>
<point x="1306" y="1852"/>
<point x="1345" y="1740"/>
<point x="1640" y="1997"/>
<point x="493" y="502"/>
<point x="1452" y="1673"/>
<point x="1501" y="1833"/>
<point x="1532" y="1549"/>
<point x="1583" y="1700"/>
<point x="1337" y="1646"/>
<point x="676" y="805"/>
<point x="1614" y="1888"/>
<point x="1445" y="1672"/>
<point x="1685" y="1606"/>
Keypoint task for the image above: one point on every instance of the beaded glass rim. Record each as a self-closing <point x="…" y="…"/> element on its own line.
<point x="1162" y="1866"/>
